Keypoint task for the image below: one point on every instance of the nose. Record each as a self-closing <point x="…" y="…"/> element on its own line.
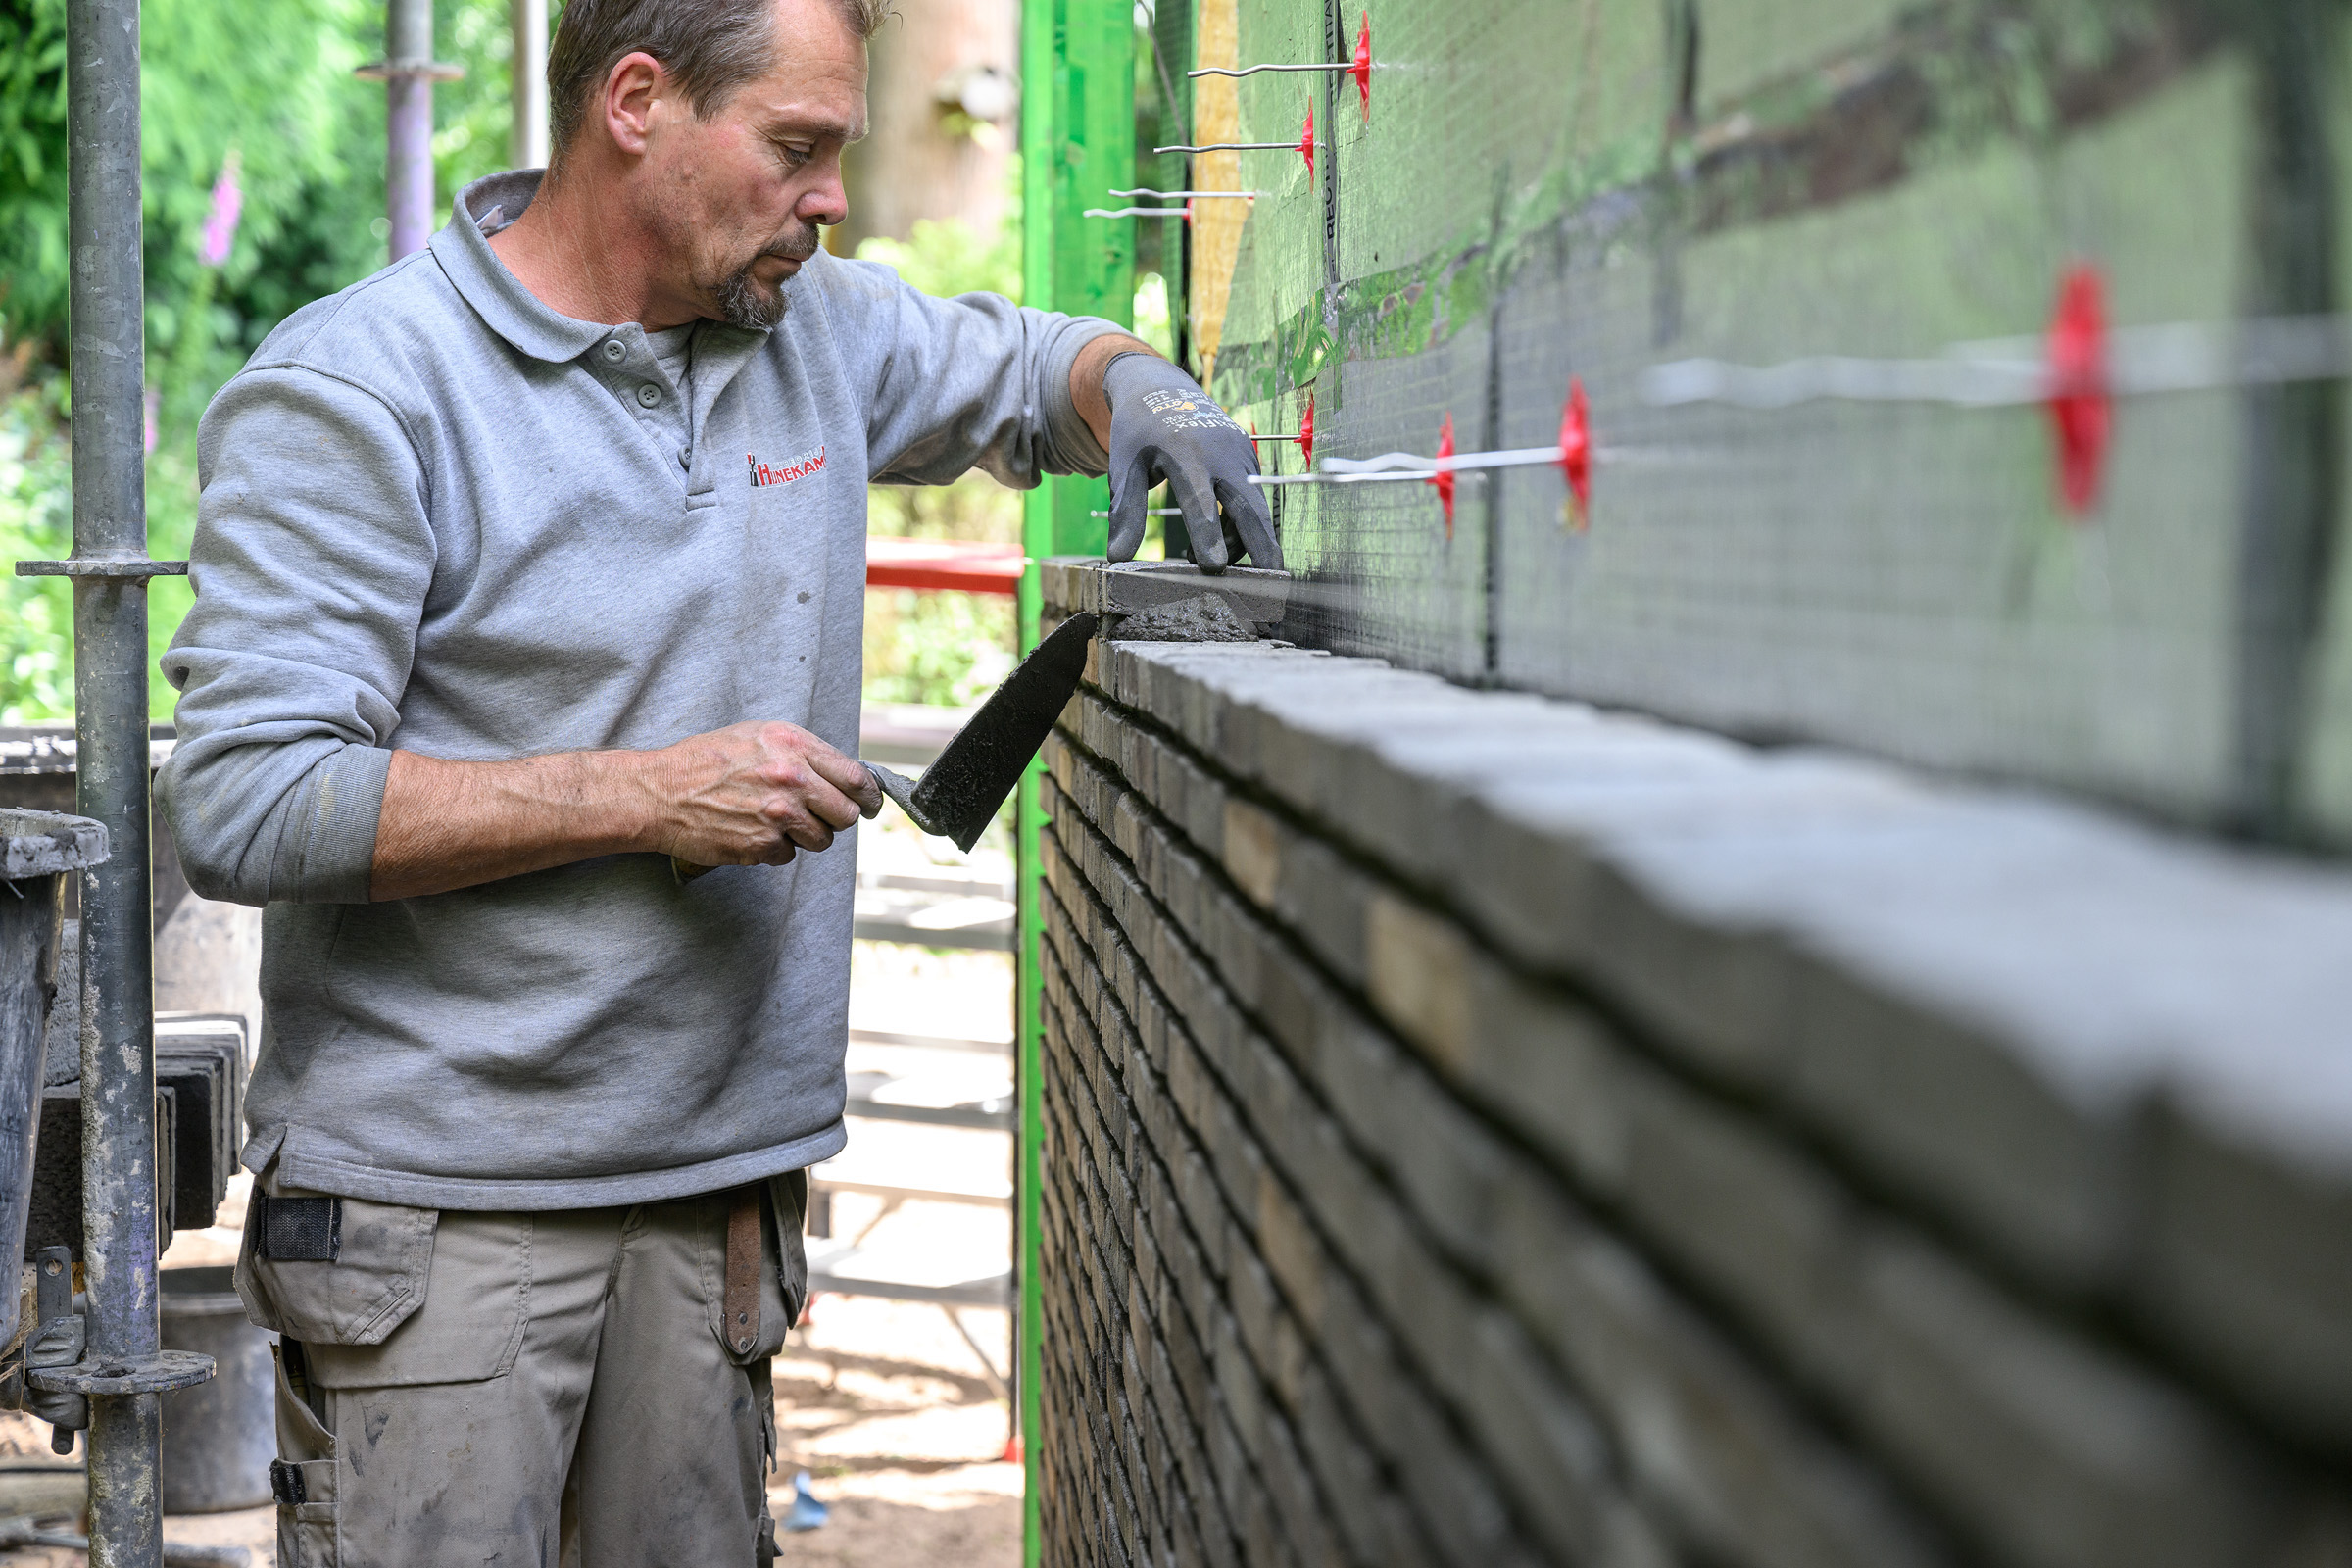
<point x="824" y="201"/>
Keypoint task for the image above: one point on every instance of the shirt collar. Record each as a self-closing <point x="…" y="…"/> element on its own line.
<point x="496" y="294"/>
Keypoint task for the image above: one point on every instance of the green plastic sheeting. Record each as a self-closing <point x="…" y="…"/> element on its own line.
<point x="1077" y="134"/>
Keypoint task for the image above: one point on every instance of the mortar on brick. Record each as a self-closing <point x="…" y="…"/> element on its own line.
<point x="1205" y="618"/>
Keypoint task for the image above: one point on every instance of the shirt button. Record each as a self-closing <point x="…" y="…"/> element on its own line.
<point x="647" y="395"/>
<point x="616" y="351"/>
<point x="685" y="458"/>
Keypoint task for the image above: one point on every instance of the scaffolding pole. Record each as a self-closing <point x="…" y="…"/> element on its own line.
<point x="407" y="72"/>
<point x="124" y="1368"/>
<point x="528" y="146"/>
<point x="408" y="123"/>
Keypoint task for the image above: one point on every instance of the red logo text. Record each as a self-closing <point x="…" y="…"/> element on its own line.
<point x="799" y="468"/>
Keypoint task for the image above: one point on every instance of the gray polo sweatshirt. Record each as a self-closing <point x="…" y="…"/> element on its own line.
<point x="440" y="517"/>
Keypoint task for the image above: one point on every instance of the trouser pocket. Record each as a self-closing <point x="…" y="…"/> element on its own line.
<point x="384" y="1295"/>
<point x="788" y="1197"/>
<point x="303" y="1477"/>
<point x="328" y="1270"/>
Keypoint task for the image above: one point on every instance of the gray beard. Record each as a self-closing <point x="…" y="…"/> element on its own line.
<point x="741" y="304"/>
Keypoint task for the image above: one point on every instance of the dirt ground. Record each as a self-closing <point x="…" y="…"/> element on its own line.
<point x="899" y="1423"/>
<point x="901" y="1435"/>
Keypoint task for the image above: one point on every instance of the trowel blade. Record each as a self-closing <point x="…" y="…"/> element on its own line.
<point x="959" y="794"/>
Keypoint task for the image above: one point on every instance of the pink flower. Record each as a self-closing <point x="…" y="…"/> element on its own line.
<point x="220" y="229"/>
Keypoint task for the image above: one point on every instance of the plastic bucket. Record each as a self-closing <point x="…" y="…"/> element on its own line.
<point x="218" y="1437"/>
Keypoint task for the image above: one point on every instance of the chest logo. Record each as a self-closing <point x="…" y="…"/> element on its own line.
<point x="800" y="468"/>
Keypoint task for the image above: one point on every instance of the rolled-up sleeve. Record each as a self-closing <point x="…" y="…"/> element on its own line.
<point x="312" y="560"/>
<point x="970" y="382"/>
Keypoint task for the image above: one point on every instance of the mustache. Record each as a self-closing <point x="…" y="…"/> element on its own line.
<point x="798" y="248"/>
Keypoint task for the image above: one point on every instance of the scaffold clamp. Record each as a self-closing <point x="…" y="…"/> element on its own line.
<point x="109" y="1376"/>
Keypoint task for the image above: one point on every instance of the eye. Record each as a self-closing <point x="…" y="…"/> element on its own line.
<point x="795" y="154"/>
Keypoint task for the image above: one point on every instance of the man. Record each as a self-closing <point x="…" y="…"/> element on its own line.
<point x="526" y="563"/>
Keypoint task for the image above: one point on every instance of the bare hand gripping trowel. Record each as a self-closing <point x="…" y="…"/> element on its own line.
<point x="959" y="794"/>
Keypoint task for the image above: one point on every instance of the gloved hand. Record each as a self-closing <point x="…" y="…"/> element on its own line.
<point x="1163" y="426"/>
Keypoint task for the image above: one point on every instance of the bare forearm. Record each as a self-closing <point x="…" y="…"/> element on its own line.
<point x="1086" y="380"/>
<point x="454" y="825"/>
<point x="751" y="793"/>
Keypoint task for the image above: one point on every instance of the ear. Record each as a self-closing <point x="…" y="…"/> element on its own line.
<point x="634" y="84"/>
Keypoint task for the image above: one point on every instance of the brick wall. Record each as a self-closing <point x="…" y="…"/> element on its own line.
<point x="1483" y="1130"/>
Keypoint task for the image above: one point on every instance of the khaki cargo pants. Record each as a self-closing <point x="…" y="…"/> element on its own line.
<point x="542" y="1391"/>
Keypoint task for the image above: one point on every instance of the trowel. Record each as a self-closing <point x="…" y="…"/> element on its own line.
<point x="960" y="792"/>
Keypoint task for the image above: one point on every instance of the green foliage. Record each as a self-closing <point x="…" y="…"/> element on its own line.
<point x="944" y="648"/>
<point x="33" y="118"/>
<point x="948" y="648"/>
<point x="276" y="84"/>
<point x="272" y="81"/>
<point x="37" y="613"/>
<point x="1151" y="323"/>
<point x="947" y="256"/>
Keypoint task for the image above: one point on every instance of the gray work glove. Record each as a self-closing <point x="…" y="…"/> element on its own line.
<point x="1163" y="426"/>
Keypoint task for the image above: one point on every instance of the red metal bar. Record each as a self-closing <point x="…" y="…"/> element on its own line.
<point x="965" y="566"/>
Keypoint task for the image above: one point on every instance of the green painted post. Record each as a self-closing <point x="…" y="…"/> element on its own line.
<point x="1077" y="142"/>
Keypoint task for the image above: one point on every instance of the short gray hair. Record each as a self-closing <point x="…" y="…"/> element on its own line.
<point x="708" y="47"/>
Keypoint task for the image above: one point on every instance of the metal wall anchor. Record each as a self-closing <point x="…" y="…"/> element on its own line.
<point x="1360" y="68"/>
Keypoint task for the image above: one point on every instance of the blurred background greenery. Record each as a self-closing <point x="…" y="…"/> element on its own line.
<point x="264" y="90"/>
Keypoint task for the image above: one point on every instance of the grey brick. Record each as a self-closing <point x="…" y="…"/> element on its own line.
<point x="1259" y="1318"/>
<point x="1291" y="1254"/>
<point x="1741" y="1211"/>
<point x="2058" y="1454"/>
<point x="1391" y="1259"/>
<point x="1935" y="1106"/>
<point x="1658" y="924"/>
<point x="1447" y="1483"/>
<point x="1309" y="1532"/>
<point x="1252" y="850"/>
<point x="1345" y="1470"/>
<point x="1701" y="1432"/>
<point x="1544" y="1437"/>
<point x="2242" y="1258"/>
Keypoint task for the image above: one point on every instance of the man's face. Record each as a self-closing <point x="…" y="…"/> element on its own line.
<point x="736" y="199"/>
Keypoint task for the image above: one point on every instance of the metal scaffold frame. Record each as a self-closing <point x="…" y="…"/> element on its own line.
<point x="116" y="1382"/>
<point x="1077" y="138"/>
